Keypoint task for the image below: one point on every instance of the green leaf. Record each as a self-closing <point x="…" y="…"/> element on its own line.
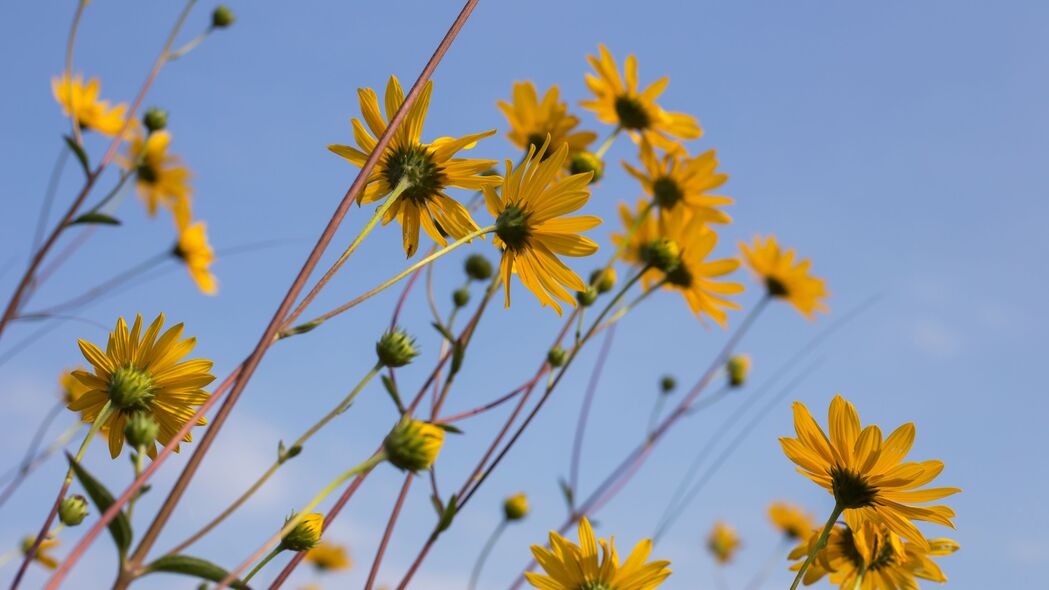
<point x="448" y="428"/>
<point x="94" y="217"/>
<point x="569" y="495"/>
<point x="79" y="152"/>
<point x="444" y="331"/>
<point x="437" y="505"/>
<point x="448" y="515"/>
<point x="457" y="356"/>
<point x="192" y="566"/>
<point x="120" y="527"/>
<point x="392" y="390"/>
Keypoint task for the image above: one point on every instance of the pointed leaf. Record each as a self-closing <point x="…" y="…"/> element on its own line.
<point x="79" y="152"/>
<point x="392" y="390"/>
<point x="192" y="566"/>
<point x="569" y="495"/>
<point x="120" y="528"/>
<point x="444" y="331"/>
<point x="94" y="217"/>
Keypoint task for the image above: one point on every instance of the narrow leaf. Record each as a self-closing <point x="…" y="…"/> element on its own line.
<point x="95" y="217"/>
<point x="448" y="428"/>
<point x="444" y="331"/>
<point x="192" y="566"/>
<point x="79" y="152"/>
<point x="392" y="390"/>
<point x="457" y="356"/>
<point x="569" y="495"/>
<point x="120" y="528"/>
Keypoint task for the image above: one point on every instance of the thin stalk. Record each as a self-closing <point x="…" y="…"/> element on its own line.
<point x="485" y="551"/>
<point x="821" y="542"/>
<point x="584" y="411"/>
<point x="101" y="288"/>
<point x="140" y="455"/>
<point x="68" y="71"/>
<point x="190" y="45"/>
<point x="607" y="143"/>
<point x="374" y="571"/>
<point x="258" y="567"/>
<point x="774" y="558"/>
<point x="112" y="194"/>
<point x="49" y="195"/>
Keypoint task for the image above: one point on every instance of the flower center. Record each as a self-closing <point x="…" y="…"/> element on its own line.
<point x="631" y="113"/>
<point x="851" y="490"/>
<point x="680" y="277"/>
<point x="776" y="287"/>
<point x="666" y="192"/>
<point x="884" y="554"/>
<point x="414" y="165"/>
<point x="537" y="140"/>
<point x="130" y="389"/>
<point x="595" y="585"/>
<point x="147" y="173"/>
<point x="512" y="227"/>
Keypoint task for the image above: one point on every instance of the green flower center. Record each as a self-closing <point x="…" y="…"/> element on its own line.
<point x="130" y="389"/>
<point x="851" y="490"/>
<point x="631" y="113"/>
<point x="666" y="192"/>
<point x="512" y="227"/>
<point x="414" y="165"/>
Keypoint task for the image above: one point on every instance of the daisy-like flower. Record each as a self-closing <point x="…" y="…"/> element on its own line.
<point x="785" y="279"/>
<point x="697" y="278"/>
<point x="723" y="542"/>
<point x="422" y="171"/>
<point x="531" y="120"/>
<point x="579" y="567"/>
<point x="160" y="177"/>
<point x="329" y="557"/>
<point x="42" y="555"/>
<point x="792" y="521"/>
<point x="636" y="112"/>
<point x="81" y="100"/>
<point x="194" y="250"/>
<point x="679" y="182"/>
<point x="72" y="388"/>
<point x="531" y="229"/>
<point x="143" y="372"/>
<point x="865" y="474"/>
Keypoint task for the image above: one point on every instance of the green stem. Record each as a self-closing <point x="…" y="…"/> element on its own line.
<point x="140" y="453"/>
<point x="821" y="542"/>
<point x="124" y="177"/>
<point x="483" y="557"/>
<point x="276" y="551"/>
<point x="96" y="426"/>
<point x="190" y="46"/>
<point x="600" y="153"/>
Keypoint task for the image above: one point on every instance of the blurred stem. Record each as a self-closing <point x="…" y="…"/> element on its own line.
<point x="821" y="542"/>
<point x="140" y="452"/>
<point x="49" y="195"/>
<point x="68" y="72"/>
<point x="191" y="45"/>
<point x="483" y="557"/>
<point x="607" y="143"/>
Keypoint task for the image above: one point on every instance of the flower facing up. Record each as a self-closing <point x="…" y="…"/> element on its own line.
<point x="329" y="557"/>
<point x="160" y="177"/>
<point x="723" y="542"/>
<point x="531" y="227"/>
<point x="793" y="522"/>
<point x="515" y="507"/>
<point x="413" y="445"/>
<point x="579" y="567"/>
<point x="866" y="474"/>
<point x="531" y="120"/>
<point x="143" y="372"/>
<point x="194" y="250"/>
<point x="623" y="105"/>
<point x="42" y="555"/>
<point x="677" y="182"/>
<point x="305" y="535"/>
<point x="425" y="170"/>
<point x="81" y="101"/>
<point x="783" y="278"/>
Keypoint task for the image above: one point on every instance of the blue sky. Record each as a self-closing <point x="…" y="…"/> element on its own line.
<point x="901" y="146"/>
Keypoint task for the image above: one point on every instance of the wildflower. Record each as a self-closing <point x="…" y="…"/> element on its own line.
<point x="72" y="388"/>
<point x="577" y="567"/>
<point x="396" y="348"/>
<point x="581" y="162"/>
<point x="783" y="278"/>
<point x="413" y="445"/>
<point x="194" y="250"/>
<point x="305" y="535"/>
<point x="737" y="367"/>
<point x="42" y="555"/>
<point x="160" y="177"/>
<point x="329" y="557"/>
<point x="636" y="112"/>
<point x="792" y="521"/>
<point x="515" y="507"/>
<point x="604" y="280"/>
<point x="866" y="475"/>
<point x="723" y="542"/>
<point x="81" y="100"/>
<point x="423" y="171"/>
<point x="679" y="183"/>
<point x="531" y="230"/>
<point x="73" y="510"/>
<point x="141" y="372"/>
<point x="531" y="120"/>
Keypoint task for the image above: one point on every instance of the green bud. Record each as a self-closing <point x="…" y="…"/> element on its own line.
<point x="587" y="162"/>
<point x="413" y="445"/>
<point x="478" y="268"/>
<point x="396" y="348"/>
<point x="141" y="430"/>
<point x="586" y="298"/>
<point x="556" y="357"/>
<point x="737" y="368"/>
<point x="155" y="119"/>
<point x="667" y="384"/>
<point x="461" y="297"/>
<point x="662" y="254"/>
<point x="604" y="280"/>
<point x="73" y="510"/>
<point x="222" y="17"/>
<point x="515" y="507"/>
<point x="305" y="535"/>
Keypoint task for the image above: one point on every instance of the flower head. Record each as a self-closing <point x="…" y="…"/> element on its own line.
<point x="413" y="445"/>
<point x="194" y="250"/>
<point x="579" y="567"/>
<point x="865" y="474"/>
<point x="329" y="557"/>
<point x="738" y="368"/>
<point x="42" y="555"/>
<point x="515" y="507"/>
<point x="305" y="535"/>
<point x="531" y="120"/>
<point x="723" y="542"/>
<point x="73" y="510"/>
<point x="531" y="227"/>
<point x="621" y="104"/>
<point x="422" y="171"/>
<point x="783" y="278"/>
<point x="143" y="372"/>
<point x="792" y="521"/>
<point x="81" y="101"/>
<point x="160" y="177"/>
<point x="677" y="182"/>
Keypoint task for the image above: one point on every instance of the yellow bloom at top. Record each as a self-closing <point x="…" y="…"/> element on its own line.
<point x="621" y="104"/>
<point x="865" y="474"/>
<point x="160" y="177"/>
<point x="792" y="521"/>
<point x="579" y="567"/>
<point x="531" y="227"/>
<point x="329" y="557"/>
<point x="143" y="372"/>
<point x="194" y="250"/>
<point x="723" y="542"/>
<point x="785" y="279"/>
<point x="531" y="120"/>
<point x="81" y="101"/>
<point x="422" y="171"/>
<point x="678" y="184"/>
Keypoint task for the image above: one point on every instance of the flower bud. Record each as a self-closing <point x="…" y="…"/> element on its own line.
<point x="737" y="368"/>
<point x="73" y="510"/>
<point x="141" y="430"/>
<point x="155" y="119"/>
<point x="515" y="507"/>
<point x="413" y="445"/>
<point x="478" y="268"/>
<point x="664" y="255"/>
<point x="667" y="384"/>
<point x="556" y="357"/>
<point x="221" y="17"/>
<point x="396" y="348"/>
<point x="587" y="162"/>
<point x="586" y="298"/>
<point x="305" y="535"/>
<point x="461" y="297"/>
<point x="604" y="280"/>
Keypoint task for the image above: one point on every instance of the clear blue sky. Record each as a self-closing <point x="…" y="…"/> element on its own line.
<point x="901" y="146"/>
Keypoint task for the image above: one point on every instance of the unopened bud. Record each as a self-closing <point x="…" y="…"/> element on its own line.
<point x="413" y="445"/>
<point x="667" y="384"/>
<point x="155" y="119"/>
<point x="73" y="510"/>
<point x="396" y="348"/>
<point x="222" y="17"/>
<point x="556" y="357"/>
<point x="587" y="162"/>
<point x="587" y="297"/>
<point x="738" y="367"/>
<point x="664" y="255"/>
<point x="604" y="280"/>
<point x="461" y="297"/>
<point x="141" y="430"/>
<point x="306" y="533"/>
<point x="515" y="507"/>
<point x="478" y="268"/>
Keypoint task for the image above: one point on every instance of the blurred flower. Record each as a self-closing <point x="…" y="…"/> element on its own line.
<point x="738" y="368"/>
<point x="141" y="372"/>
<point x="42" y="555"/>
<point x="305" y="535"/>
<point x="783" y="278"/>
<point x="329" y="557"/>
<point x="161" y="177"/>
<point x="865" y="474"/>
<point x="530" y="227"/>
<point x="723" y="542"/>
<point x="72" y="388"/>
<point x="194" y="250"/>
<point x="794" y="522"/>
<point x="574" y="567"/>
<point x="426" y="169"/>
<point x="515" y="507"/>
<point x="531" y="120"/>
<point x="679" y="180"/>
<point x="636" y="112"/>
<point x="81" y="100"/>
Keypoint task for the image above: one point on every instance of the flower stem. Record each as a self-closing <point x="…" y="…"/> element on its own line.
<point x="191" y="45"/>
<point x="483" y="557"/>
<point x="607" y="143"/>
<point x="276" y="551"/>
<point x="821" y="542"/>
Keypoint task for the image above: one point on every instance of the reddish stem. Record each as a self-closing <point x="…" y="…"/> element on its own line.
<point x="584" y="412"/>
<point x="388" y="532"/>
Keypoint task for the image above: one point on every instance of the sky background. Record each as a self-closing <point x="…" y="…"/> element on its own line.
<point x="900" y="145"/>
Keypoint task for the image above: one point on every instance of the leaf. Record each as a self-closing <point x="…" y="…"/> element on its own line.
<point x="94" y="217"/>
<point x="447" y="515"/>
<point x="569" y="495"/>
<point x="192" y="566"/>
<point x="444" y="331"/>
<point x="457" y="356"/>
<point x="392" y="390"/>
<point x="448" y="428"/>
<point x="79" y="152"/>
<point x="437" y="505"/>
<point x="120" y="527"/>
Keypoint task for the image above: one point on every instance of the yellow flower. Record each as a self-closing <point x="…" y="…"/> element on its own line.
<point x="515" y="507"/>
<point x="865" y="474"/>
<point x="694" y="276"/>
<point x="723" y="542"/>
<point x="194" y="250"/>
<point x="531" y="120"/>
<point x="306" y="534"/>
<point x="578" y="567"/>
<point x="413" y="445"/>
<point x="160" y="177"/>
<point x="142" y="372"/>
<point x="530" y="227"/>
<point x="677" y="180"/>
<point x="72" y="388"/>
<point x="783" y="278"/>
<point x="794" y="522"/>
<point x="621" y="104"/>
<point x="426" y="169"/>
<point x="329" y="557"/>
<point x="81" y="100"/>
<point x="41" y="556"/>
